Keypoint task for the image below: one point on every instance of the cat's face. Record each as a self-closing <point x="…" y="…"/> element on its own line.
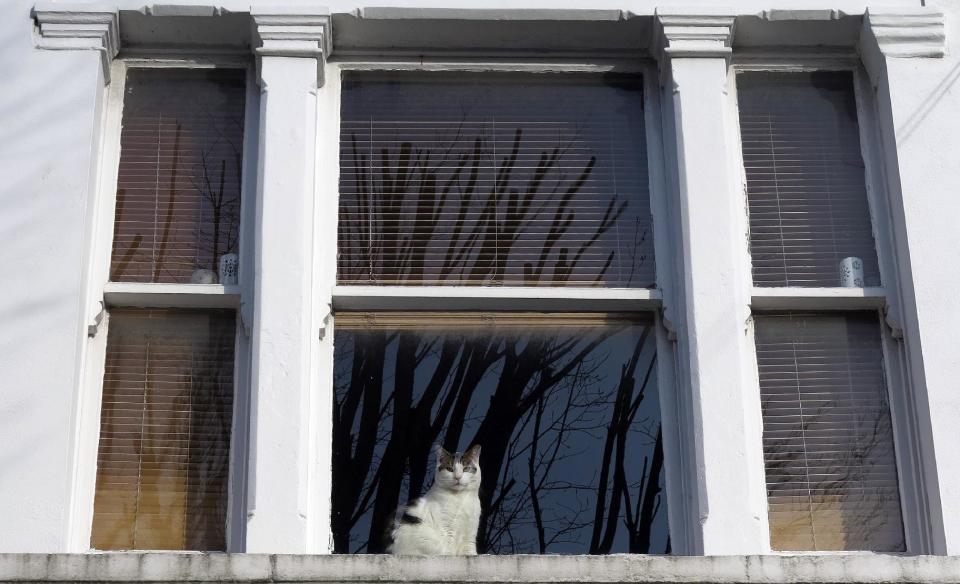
<point x="459" y="472"/>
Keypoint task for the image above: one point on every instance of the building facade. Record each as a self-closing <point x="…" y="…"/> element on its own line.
<point x="259" y="259"/>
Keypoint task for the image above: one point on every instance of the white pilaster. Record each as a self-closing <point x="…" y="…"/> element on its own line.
<point x="283" y="513"/>
<point x="901" y="50"/>
<point x="711" y="307"/>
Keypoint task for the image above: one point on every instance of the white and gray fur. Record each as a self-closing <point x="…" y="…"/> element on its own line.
<point x="445" y="520"/>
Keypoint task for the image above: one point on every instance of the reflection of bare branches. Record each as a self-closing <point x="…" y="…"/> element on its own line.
<point x="161" y="249"/>
<point x="828" y="443"/>
<point x="418" y="206"/>
<point x="188" y="214"/>
<point x="119" y="267"/>
<point x="546" y="403"/>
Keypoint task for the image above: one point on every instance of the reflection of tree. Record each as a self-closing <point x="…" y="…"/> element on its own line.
<point x="219" y="229"/>
<point x="432" y="215"/>
<point x="544" y="394"/>
<point x="210" y="404"/>
<point x="450" y="209"/>
<point x="828" y="443"/>
<point x="835" y="492"/>
<point x="193" y="215"/>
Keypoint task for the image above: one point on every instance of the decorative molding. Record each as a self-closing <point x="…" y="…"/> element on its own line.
<point x="906" y="32"/>
<point x="97" y="318"/>
<point x="801" y="14"/>
<point x="293" y="32"/>
<point x="696" y="33"/>
<point x="79" y="27"/>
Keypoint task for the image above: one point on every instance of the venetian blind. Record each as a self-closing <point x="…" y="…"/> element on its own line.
<point x="163" y="461"/>
<point x="805" y="178"/>
<point x="827" y="436"/>
<point x="178" y="186"/>
<point x="493" y="179"/>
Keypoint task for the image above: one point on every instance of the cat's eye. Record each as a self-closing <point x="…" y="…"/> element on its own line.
<point x="470" y="468"/>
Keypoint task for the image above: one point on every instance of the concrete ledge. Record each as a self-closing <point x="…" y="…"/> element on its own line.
<point x="198" y="567"/>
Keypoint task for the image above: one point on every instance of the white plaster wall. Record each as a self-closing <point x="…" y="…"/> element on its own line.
<point x="925" y="101"/>
<point x="48" y="121"/>
<point x="48" y="113"/>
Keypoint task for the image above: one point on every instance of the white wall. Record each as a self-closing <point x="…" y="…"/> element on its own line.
<point x="49" y="113"/>
<point x="925" y="106"/>
<point x="49" y="118"/>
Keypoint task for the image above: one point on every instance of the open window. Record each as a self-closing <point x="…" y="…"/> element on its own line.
<point x="458" y="193"/>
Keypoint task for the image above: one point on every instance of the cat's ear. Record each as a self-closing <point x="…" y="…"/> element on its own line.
<point x="443" y="457"/>
<point x="473" y="454"/>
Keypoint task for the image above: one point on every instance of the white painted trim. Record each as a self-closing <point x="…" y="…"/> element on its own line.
<point x="471" y="62"/>
<point x="494" y="298"/>
<point x="903" y="349"/>
<point x="749" y="365"/>
<point x="883" y="299"/>
<point x="693" y="32"/>
<point x="290" y="31"/>
<point x="712" y="347"/>
<point x="89" y="393"/>
<point x="789" y="298"/>
<point x="677" y="451"/>
<point x="125" y="294"/>
<point x="907" y="31"/>
<point x="79" y="27"/>
<point x="239" y="436"/>
<point x="492" y="14"/>
<point x="171" y="295"/>
<point x="326" y="222"/>
<point x="507" y="298"/>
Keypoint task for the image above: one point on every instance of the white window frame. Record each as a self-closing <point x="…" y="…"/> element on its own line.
<point x="918" y="535"/>
<point x="513" y="298"/>
<point x="150" y="295"/>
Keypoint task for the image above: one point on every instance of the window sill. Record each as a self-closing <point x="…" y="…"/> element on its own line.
<point x="171" y="295"/>
<point x="817" y="298"/>
<point x="538" y="299"/>
<point x="200" y="567"/>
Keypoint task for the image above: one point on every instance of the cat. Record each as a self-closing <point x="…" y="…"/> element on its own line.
<point x="445" y="520"/>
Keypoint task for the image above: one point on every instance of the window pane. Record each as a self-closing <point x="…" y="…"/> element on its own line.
<point x="805" y="178"/>
<point x="827" y="438"/>
<point x="576" y="392"/>
<point x="163" y="463"/>
<point x="522" y="179"/>
<point x="178" y="186"/>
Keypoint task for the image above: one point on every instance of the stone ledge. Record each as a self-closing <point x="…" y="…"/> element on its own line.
<point x="200" y="567"/>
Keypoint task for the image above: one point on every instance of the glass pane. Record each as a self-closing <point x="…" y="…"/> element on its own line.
<point x="163" y="464"/>
<point x="494" y="179"/>
<point x="805" y="178"/>
<point x="565" y="408"/>
<point x="178" y="186"/>
<point x="827" y="437"/>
